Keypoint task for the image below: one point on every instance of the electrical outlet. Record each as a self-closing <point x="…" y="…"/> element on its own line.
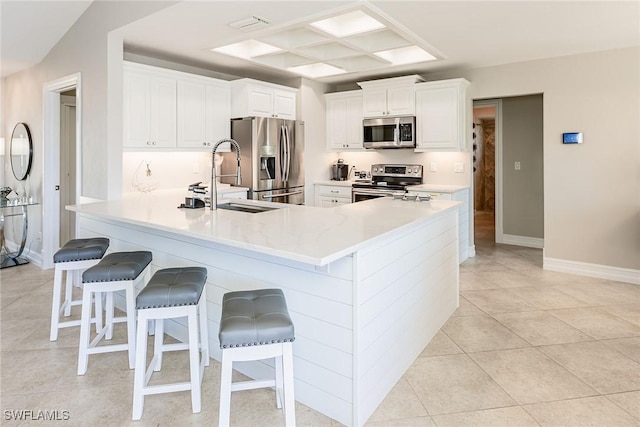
<point x="517" y="166"/>
<point x="458" y="167"/>
<point x="434" y="167"/>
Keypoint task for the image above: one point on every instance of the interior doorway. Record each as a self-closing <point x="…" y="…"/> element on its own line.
<point x="67" y="164"/>
<point x="486" y="169"/>
<point x="54" y="153"/>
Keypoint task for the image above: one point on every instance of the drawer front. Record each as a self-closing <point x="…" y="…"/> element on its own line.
<point x="334" y="191"/>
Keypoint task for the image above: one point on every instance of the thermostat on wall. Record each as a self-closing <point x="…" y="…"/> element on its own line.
<point x="572" y="138"/>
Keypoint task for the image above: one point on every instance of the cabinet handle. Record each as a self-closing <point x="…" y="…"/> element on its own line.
<point x="334" y="191"/>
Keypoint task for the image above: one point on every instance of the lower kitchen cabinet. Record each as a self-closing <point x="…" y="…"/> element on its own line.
<point x="328" y="196"/>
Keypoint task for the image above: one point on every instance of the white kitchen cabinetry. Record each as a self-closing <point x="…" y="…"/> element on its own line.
<point x="328" y="196"/>
<point x="168" y="109"/>
<point x="441" y="115"/>
<point x="149" y="106"/>
<point x="255" y="98"/>
<point x="204" y="113"/>
<point x="389" y="97"/>
<point x="344" y="120"/>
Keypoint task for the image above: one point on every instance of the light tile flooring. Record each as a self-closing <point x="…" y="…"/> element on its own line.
<point x="526" y="347"/>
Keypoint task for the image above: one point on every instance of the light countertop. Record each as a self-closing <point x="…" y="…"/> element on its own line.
<point x="306" y="234"/>
<point x="440" y="188"/>
<point x="335" y="183"/>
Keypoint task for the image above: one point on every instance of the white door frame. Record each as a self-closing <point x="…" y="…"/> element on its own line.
<point x="499" y="196"/>
<point x="51" y="160"/>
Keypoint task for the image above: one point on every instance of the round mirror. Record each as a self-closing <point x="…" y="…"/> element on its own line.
<point x="21" y="151"/>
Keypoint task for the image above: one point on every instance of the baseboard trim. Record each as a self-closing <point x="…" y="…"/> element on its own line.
<point x="529" y="242"/>
<point x="627" y="275"/>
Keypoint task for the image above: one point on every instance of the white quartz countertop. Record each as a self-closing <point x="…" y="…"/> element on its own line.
<point x="441" y="188"/>
<point x="311" y="235"/>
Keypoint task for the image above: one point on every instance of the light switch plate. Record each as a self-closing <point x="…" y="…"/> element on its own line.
<point x="458" y="167"/>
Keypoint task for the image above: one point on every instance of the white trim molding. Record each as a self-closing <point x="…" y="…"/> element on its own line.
<point x="529" y="242"/>
<point x="627" y="275"/>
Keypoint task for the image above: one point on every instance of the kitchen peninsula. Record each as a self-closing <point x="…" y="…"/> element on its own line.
<point x="367" y="284"/>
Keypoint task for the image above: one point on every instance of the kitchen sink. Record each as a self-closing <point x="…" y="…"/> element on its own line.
<point x="245" y="208"/>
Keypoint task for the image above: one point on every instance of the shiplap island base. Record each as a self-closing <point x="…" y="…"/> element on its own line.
<point x="368" y="284"/>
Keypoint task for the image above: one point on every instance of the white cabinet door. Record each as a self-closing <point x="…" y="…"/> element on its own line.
<point x="149" y="108"/>
<point x="374" y="102"/>
<point x="284" y="105"/>
<point x="344" y="120"/>
<point x="328" y="202"/>
<point x="440" y="112"/>
<point x="260" y="102"/>
<point x="218" y="116"/>
<point x="192" y="114"/>
<point x="401" y="101"/>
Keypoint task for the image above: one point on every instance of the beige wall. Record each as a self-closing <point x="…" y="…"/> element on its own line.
<point x="592" y="190"/>
<point x="523" y="193"/>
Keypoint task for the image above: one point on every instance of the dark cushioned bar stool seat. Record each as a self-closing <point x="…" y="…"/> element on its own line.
<point x="172" y="293"/>
<point x="256" y="325"/>
<point x="74" y="257"/>
<point x="118" y="271"/>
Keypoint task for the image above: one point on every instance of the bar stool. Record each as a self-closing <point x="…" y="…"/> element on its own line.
<point x="172" y="293"/>
<point x="256" y="325"/>
<point x="74" y="257"/>
<point x="115" y="272"/>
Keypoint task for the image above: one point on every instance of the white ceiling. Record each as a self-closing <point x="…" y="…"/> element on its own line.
<point x="466" y="34"/>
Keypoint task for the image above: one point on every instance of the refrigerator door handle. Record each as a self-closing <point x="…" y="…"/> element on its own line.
<point x="273" y="196"/>
<point x="288" y="139"/>
<point x="284" y="154"/>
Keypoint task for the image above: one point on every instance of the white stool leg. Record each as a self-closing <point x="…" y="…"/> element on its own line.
<point x="97" y="301"/>
<point x="158" y="342"/>
<point x="55" y="303"/>
<point x="194" y="359"/>
<point x="225" y="390"/>
<point x="279" y="381"/>
<point x="108" y="315"/>
<point x="131" y="323"/>
<point x="289" y="401"/>
<point x="85" y="330"/>
<point x="68" y="293"/>
<point x="141" y="361"/>
<point x="204" y="328"/>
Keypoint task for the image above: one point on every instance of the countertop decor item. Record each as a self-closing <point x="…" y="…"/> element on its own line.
<point x="143" y="179"/>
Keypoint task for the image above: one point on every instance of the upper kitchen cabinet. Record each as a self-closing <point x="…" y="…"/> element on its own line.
<point x="171" y="109"/>
<point x="441" y="115"/>
<point x="149" y="108"/>
<point x="344" y="120"/>
<point x="255" y="98"/>
<point x="389" y="97"/>
<point x="204" y="113"/>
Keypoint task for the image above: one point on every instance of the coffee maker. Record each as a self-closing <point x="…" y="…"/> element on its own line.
<point x="340" y="171"/>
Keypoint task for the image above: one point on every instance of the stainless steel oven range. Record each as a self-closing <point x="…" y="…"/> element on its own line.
<point x="386" y="181"/>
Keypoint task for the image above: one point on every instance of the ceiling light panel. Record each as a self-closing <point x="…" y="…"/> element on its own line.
<point x="405" y="55"/>
<point x="348" y="24"/>
<point x="329" y="51"/>
<point x="379" y="40"/>
<point x="295" y="37"/>
<point x="316" y="70"/>
<point x="283" y="60"/>
<point x="359" y="63"/>
<point x="247" y="49"/>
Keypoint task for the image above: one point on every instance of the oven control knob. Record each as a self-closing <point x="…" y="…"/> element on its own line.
<point x="415" y="170"/>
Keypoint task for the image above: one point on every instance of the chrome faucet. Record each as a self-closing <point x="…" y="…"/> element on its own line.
<point x="214" y="191"/>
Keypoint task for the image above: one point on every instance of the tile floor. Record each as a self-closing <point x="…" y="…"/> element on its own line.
<point x="526" y="347"/>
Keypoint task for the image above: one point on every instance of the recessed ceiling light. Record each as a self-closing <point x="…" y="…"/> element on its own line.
<point x="406" y="55"/>
<point x="318" y="69"/>
<point x="247" y="49"/>
<point x="348" y="24"/>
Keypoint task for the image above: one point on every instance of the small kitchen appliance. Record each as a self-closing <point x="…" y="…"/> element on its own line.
<point x="387" y="181"/>
<point x="340" y="171"/>
<point x="197" y="198"/>
<point x="389" y="132"/>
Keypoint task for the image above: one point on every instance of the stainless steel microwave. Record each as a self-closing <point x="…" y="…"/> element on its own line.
<point x="389" y="132"/>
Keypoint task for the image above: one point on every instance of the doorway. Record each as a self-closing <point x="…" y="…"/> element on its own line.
<point x="59" y="158"/>
<point x="486" y="170"/>
<point x="67" y="164"/>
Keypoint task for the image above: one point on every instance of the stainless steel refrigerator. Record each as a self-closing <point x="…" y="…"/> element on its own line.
<point x="272" y="158"/>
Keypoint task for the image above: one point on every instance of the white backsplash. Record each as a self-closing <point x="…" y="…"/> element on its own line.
<point x="173" y="170"/>
<point x="445" y="163"/>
